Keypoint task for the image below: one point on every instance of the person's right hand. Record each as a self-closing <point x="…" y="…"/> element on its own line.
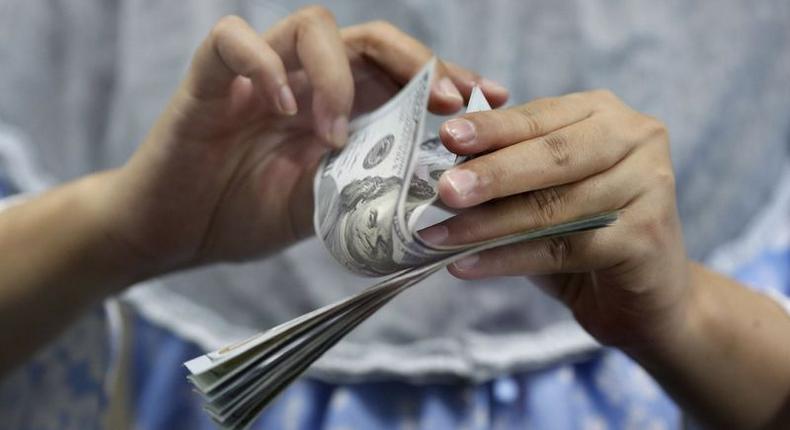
<point x="558" y="159"/>
<point x="226" y="173"/>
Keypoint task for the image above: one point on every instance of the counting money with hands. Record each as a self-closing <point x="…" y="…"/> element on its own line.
<point x="369" y="198"/>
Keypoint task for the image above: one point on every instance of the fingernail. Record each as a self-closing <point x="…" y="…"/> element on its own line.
<point x="467" y="262"/>
<point x="493" y="85"/>
<point x="286" y="101"/>
<point x="461" y="130"/>
<point x="435" y="234"/>
<point x="339" y="133"/>
<point x="462" y="181"/>
<point x="447" y="89"/>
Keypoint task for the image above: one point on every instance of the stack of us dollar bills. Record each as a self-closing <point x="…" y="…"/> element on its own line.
<point x="368" y="199"/>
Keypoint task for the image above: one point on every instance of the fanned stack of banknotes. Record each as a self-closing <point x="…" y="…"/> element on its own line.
<point x="368" y="199"/>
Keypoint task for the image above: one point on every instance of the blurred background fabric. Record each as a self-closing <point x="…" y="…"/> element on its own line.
<point x="84" y="80"/>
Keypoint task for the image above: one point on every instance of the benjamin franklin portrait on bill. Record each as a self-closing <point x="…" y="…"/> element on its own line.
<point x="357" y="223"/>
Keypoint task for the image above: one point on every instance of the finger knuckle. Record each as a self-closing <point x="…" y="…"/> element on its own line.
<point x="374" y="34"/>
<point x="529" y="122"/>
<point x="664" y="178"/>
<point x="558" y="250"/>
<point x="315" y="14"/>
<point x="224" y="25"/>
<point x="654" y="128"/>
<point x="546" y="204"/>
<point x="558" y="148"/>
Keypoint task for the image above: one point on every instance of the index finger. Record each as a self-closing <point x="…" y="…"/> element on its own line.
<point x="490" y="130"/>
<point x="311" y="37"/>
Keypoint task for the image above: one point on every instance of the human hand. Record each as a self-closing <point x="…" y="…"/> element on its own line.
<point x="559" y="159"/>
<point x="226" y="173"/>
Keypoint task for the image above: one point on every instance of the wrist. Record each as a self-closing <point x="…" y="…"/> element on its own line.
<point x="122" y="262"/>
<point x="677" y="325"/>
<point x="726" y="363"/>
<point x="681" y="327"/>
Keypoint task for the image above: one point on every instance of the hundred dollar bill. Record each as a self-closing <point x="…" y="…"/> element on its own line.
<point x="369" y="197"/>
<point x="365" y="193"/>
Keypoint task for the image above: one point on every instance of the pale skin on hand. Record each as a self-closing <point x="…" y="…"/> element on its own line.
<point x="225" y="174"/>
<point x="630" y="285"/>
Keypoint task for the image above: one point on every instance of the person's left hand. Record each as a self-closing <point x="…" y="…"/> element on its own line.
<point x="559" y="159"/>
<point x="226" y="173"/>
